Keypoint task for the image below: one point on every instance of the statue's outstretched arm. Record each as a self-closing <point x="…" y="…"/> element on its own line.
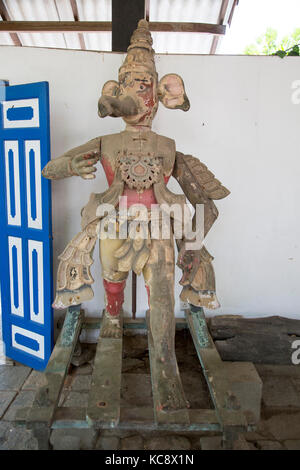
<point x="200" y="187"/>
<point x="78" y="161"/>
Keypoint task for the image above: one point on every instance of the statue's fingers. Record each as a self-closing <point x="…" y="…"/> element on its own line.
<point x="92" y="160"/>
<point x="87" y="170"/>
<point x="91" y="155"/>
<point x="87" y="163"/>
<point x="77" y="159"/>
<point x="181" y="262"/>
<point x="88" y="176"/>
<point x="185" y="280"/>
<point x="83" y="157"/>
<point x="81" y="164"/>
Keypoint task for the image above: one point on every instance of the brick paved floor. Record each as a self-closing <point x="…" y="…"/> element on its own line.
<point x="279" y="427"/>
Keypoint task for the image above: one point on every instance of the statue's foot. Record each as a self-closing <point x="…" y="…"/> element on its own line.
<point x="111" y="326"/>
<point x="66" y="298"/>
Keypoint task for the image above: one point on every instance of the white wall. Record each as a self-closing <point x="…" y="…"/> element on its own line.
<point x="242" y="124"/>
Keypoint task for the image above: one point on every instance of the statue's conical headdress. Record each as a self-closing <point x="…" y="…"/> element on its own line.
<point x="140" y="55"/>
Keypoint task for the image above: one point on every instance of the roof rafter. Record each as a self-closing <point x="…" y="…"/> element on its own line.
<point x="221" y="17"/>
<point x="76" y="18"/>
<point x="147" y="10"/>
<point x="5" y="17"/>
<point x="235" y="3"/>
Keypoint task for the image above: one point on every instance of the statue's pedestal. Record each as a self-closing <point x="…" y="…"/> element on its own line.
<point x="235" y="388"/>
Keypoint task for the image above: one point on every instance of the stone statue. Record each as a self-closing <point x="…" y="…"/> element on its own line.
<point x="138" y="164"/>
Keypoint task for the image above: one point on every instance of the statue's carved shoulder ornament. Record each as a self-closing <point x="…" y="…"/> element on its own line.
<point x="195" y="178"/>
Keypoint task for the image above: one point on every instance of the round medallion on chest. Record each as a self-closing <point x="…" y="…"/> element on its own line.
<point x="139" y="172"/>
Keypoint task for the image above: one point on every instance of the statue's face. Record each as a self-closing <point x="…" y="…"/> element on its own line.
<point x="142" y="88"/>
<point x="135" y="97"/>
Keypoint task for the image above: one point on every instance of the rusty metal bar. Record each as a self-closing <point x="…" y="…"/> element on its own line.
<point x="133" y="295"/>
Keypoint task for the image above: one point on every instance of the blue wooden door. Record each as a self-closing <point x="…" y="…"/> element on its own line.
<point x="25" y="230"/>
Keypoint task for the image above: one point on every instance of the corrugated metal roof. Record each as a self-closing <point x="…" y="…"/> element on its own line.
<point x="5" y="38"/>
<point x="199" y="11"/>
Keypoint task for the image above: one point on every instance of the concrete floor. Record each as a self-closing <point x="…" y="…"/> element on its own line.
<point x="279" y="427"/>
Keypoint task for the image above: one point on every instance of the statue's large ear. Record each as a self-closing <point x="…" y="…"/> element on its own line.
<point x="171" y="92"/>
<point x="110" y="88"/>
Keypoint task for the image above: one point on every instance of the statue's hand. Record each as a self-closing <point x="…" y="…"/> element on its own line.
<point x="83" y="165"/>
<point x="198" y="273"/>
<point x="188" y="261"/>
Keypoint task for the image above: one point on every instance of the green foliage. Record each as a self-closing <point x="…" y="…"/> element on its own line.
<point x="268" y="44"/>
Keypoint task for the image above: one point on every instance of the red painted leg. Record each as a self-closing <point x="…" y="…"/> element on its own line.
<point x="114" y="296"/>
<point x="112" y="321"/>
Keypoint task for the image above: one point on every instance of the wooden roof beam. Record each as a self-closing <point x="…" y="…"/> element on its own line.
<point x="94" y="26"/>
